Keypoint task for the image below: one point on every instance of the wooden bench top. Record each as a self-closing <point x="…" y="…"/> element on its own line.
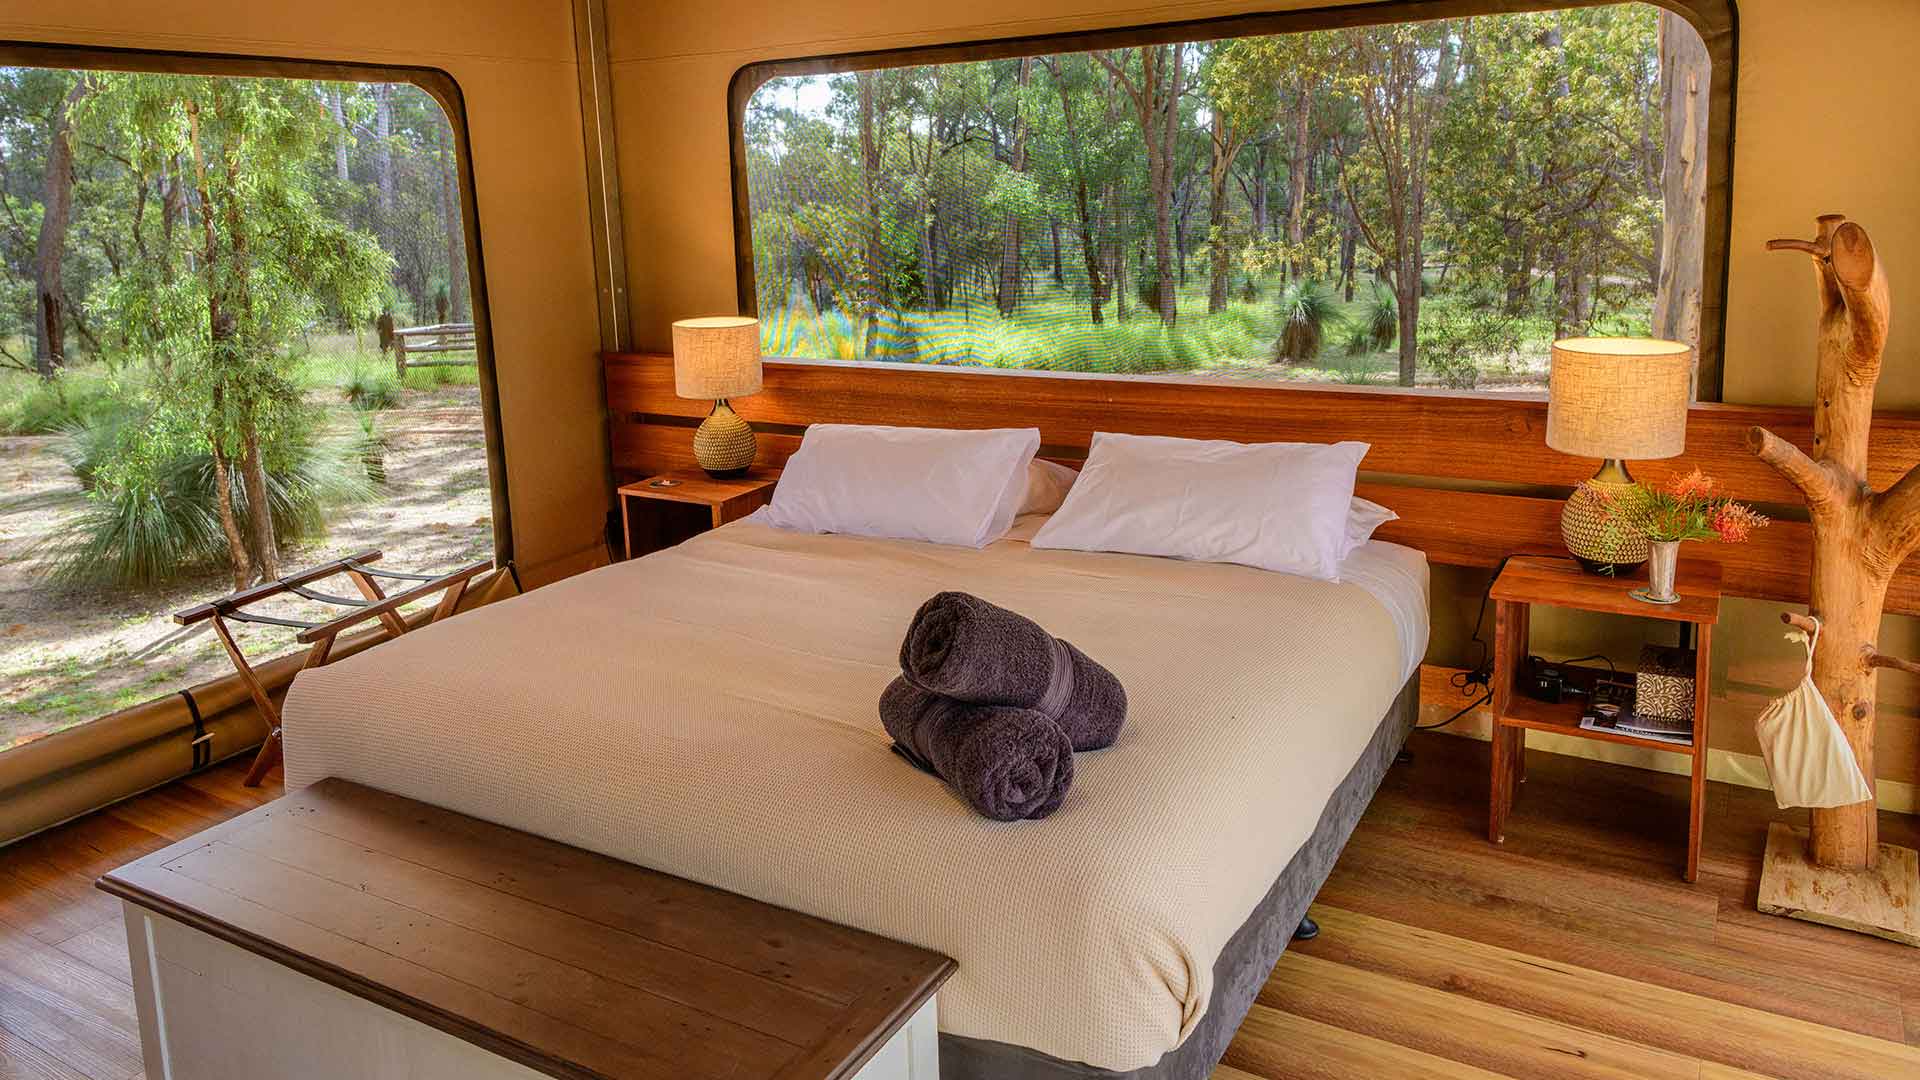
<point x="571" y="963"/>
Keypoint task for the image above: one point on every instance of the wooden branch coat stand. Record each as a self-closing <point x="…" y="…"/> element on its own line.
<point x="1842" y="875"/>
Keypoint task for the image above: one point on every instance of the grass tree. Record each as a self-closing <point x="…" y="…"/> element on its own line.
<point x="216" y="306"/>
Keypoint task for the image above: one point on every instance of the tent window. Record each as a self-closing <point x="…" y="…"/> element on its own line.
<point x="1274" y="198"/>
<point x="208" y="268"/>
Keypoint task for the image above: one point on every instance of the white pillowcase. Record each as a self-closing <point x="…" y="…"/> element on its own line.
<point x="1047" y="486"/>
<point x="1276" y="506"/>
<point x="933" y="484"/>
<point x="1362" y="518"/>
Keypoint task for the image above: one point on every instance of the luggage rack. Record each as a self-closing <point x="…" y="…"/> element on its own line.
<point x="372" y="603"/>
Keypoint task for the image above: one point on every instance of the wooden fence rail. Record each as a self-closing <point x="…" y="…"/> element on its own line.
<point x="441" y="338"/>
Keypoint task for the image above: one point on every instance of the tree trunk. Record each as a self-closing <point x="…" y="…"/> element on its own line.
<point x="1156" y="104"/>
<point x="1259" y="227"/>
<point x="229" y="524"/>
<point x="1083" y="211"/>
<point x="49" y="253"/>
<point x="1860" y="537"/>
<point x="253" y="474"/>
<point x="875" y="253"/>
<point x="1225" y="147"/>
<point x="1407" y="297"/>
<point x="1163" y="254"/>
<point x="383" y="154"/>
<point x="457" y="292"/>
<point x="1009" y="284"/>
<point x="337" y="104"/>
<point x="219" y="333"/>
<point x="1683" y="88"/>
<point x="1059" y="270"/>
<point x="1297" y="178"/>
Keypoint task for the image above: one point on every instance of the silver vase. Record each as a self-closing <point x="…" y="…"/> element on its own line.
<point x="1663" y="563"/>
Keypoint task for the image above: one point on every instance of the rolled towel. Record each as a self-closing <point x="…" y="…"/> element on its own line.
<point x="1008" y="763"/>
<point x="968" y="649"/>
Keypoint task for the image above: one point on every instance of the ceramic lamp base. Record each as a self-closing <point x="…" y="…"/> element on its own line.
<point x="723" y="443"/>
<point x="1584" y="527"/>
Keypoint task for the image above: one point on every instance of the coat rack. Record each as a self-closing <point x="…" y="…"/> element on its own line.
<point x="1837" y="872"/>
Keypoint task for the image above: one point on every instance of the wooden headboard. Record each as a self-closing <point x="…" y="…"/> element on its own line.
<point x="1434" y="456"/>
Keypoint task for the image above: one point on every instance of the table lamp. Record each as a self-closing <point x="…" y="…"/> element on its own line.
<point x="1615" y="399"/>
<point x="718" y="358"/>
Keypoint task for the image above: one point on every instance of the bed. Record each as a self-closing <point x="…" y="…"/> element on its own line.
<point x="709" y="711"/>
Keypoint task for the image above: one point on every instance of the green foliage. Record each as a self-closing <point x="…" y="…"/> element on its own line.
<point x="1456" y="344"/>
<point x="427" y="378"/>
<point x="371" y="446"/>
<point x="151" y="515"/>
<point x="1309" y="311"/>
<point x="30" y="405"/>
<point x="1380" y="323"/>
<point x="213" y="315"/>
<point x="371" y="390"/>
<point x="888" y="207"/>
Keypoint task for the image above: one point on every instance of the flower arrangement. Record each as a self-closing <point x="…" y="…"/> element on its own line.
<point x="1686" y="508"/>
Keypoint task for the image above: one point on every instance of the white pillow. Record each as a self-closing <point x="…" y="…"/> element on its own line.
<point x="1047" y="486"/>
<point x="934" y="484"/>
<point x="1362" y="518"/>
<point x="1277" y="506"/>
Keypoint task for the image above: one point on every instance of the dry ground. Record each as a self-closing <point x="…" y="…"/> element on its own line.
<point x="69" y="655"/>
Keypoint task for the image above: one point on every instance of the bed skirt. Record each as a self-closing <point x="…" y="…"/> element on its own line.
<point x="1249" y="956"/>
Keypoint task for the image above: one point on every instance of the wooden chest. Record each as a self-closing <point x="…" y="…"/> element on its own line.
<point x="342" y="932"/>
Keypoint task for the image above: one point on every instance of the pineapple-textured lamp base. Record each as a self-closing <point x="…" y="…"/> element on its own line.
<point x="1584" y="523"/>
<point x="723" y="443"/>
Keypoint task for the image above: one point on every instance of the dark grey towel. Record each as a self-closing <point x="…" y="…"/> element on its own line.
<point x="1007" y="763"/>
<point x="968" y="649"/>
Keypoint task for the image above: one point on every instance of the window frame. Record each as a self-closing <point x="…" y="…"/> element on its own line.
<point x="438" y="84"/>
<point x="1716" y="21"/>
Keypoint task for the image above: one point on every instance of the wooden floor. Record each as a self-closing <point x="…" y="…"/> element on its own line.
<point x="1573" y="951"/>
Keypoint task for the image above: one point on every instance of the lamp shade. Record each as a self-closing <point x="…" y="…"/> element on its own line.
<point x="716" y="357"/>
<point x="1623" y="398"/>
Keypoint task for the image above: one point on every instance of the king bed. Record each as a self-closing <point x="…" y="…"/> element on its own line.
<point x="709" y="711"/>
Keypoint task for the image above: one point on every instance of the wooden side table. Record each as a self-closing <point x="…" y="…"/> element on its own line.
<point x="1527" y="581"/>
<point x="664" y="510"/>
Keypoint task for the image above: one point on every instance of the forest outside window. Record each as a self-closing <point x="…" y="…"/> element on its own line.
<point x="199" y="276"/>
<point x="1416" y="204"/>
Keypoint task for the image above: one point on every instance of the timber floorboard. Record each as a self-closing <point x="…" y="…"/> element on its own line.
<point x="1574" y="950"/>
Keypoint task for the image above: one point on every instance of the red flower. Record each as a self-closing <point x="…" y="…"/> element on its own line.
<point x="1695" y="484"/>
<point x="1735" y="522"/>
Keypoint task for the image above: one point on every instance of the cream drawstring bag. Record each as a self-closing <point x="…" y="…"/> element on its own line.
<point x="1806" y="752"/>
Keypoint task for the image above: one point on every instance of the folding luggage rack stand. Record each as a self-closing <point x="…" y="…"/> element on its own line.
<point x="372" y="603"/>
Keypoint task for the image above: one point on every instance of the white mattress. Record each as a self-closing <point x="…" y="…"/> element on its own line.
<point x="710" y="711"/>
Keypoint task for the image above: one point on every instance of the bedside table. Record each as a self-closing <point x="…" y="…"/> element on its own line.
<point x="1530" y="580"/>
<point x="663" y="510"/>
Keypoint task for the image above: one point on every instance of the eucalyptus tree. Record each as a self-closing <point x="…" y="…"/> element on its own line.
<point x="261" y="261"/>
<point x="1402" y="76"/>
<point x="1153" y="77"/>
<point x="1242" y="80"/>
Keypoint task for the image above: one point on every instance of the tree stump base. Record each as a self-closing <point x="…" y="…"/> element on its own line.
<point x="1883" y="901"/>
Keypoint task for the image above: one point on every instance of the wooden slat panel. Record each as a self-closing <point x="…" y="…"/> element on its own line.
<point x="1454" y="528"/>
<point x="1417" y="433"/>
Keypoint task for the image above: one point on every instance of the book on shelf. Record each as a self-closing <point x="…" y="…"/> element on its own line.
<point x="1610" y="709"/>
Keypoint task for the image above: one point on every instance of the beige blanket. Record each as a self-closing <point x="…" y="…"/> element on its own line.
<point x="709" y="711"/>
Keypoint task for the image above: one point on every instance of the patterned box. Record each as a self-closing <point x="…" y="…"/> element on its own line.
<point x="1663" y="687"/>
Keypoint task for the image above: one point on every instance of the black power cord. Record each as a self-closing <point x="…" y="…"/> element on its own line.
<point x="1481" y="673"/>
